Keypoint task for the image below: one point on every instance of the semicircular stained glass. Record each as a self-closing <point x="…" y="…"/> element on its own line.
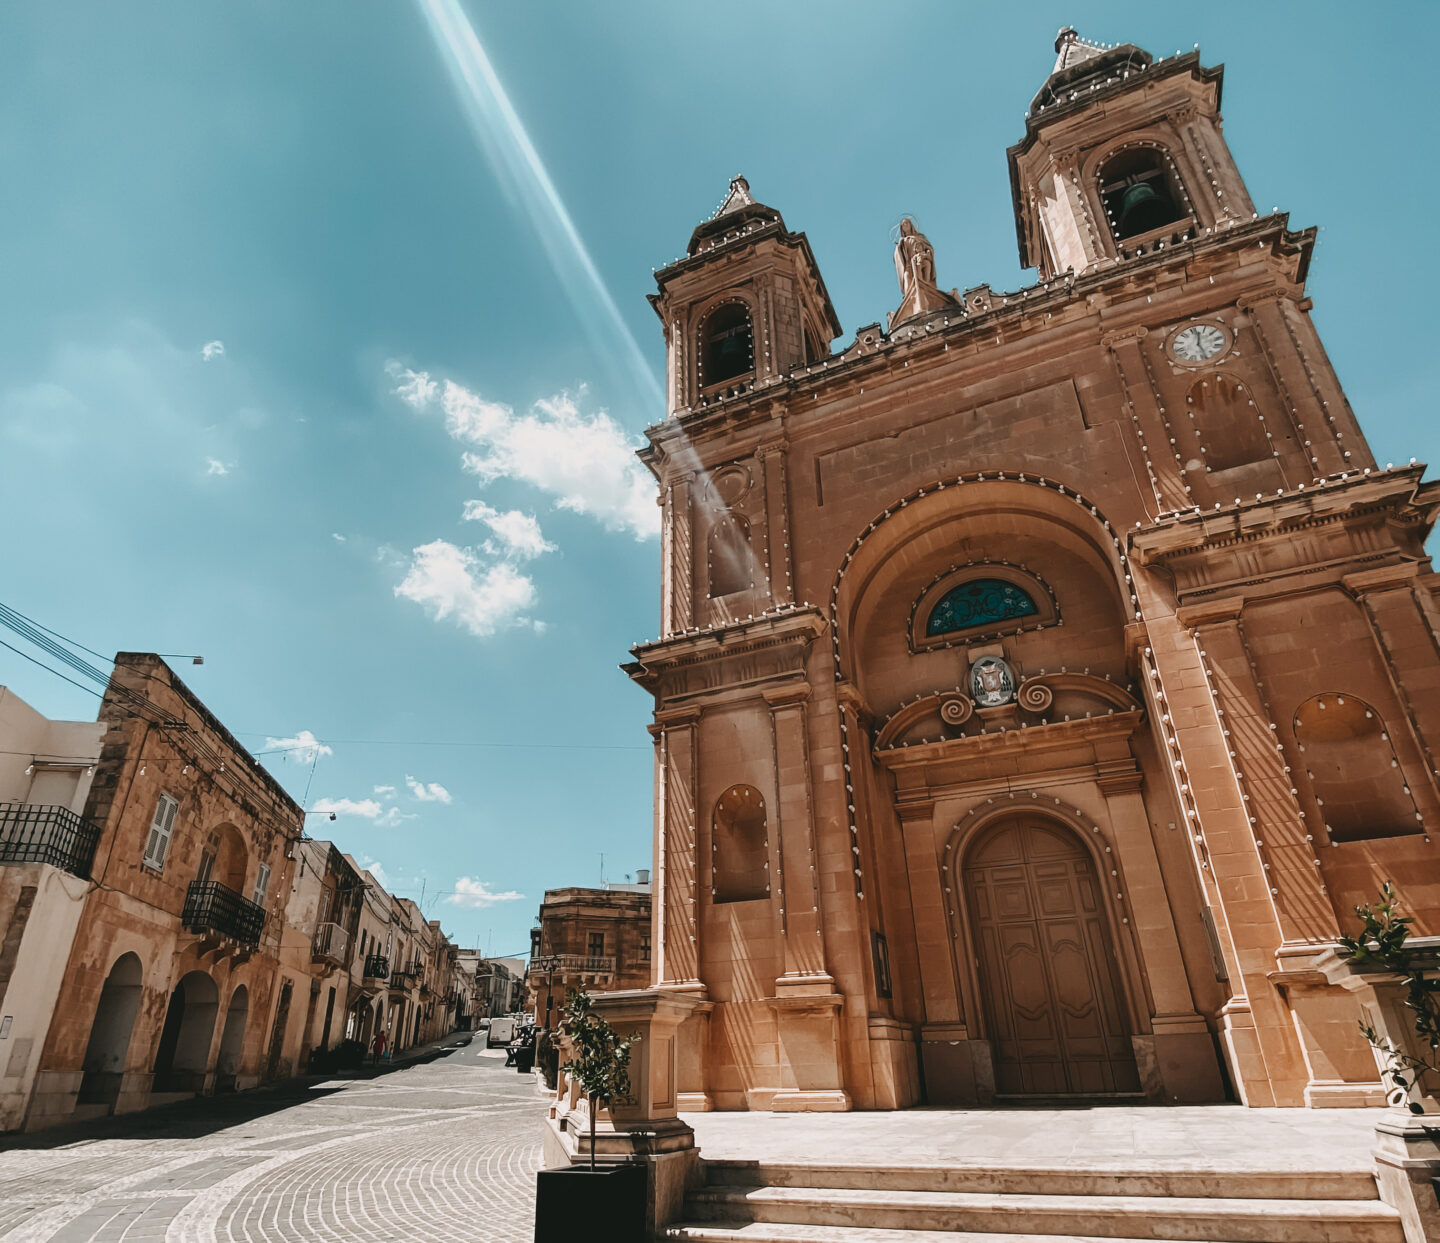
<point x="979" y="602"/>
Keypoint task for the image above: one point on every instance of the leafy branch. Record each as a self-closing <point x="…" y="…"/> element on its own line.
<point x="1381" y="945"/>
<point x="600" y="1061"/>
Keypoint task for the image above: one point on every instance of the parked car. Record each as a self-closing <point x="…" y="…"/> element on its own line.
<point x="502" y="1031"/>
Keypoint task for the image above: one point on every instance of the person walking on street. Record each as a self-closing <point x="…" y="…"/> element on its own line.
<point x="379" y="1046"/>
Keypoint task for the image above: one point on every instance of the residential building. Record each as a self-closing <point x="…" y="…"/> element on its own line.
<point x="369" y="977"/>
<point x="597" y="940"/>
<point x="170" y="984"/>
<point x="46" y="849"/>
<point x="317" y="950"/>
<point x="1044" y="676"/>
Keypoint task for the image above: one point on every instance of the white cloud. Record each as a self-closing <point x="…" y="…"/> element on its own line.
<point x="385" y="791"/>
<point x="474" y="893"/>
<point x="212" y="350"/>
<point x="414" y="388"/>
<point x="362" y="808"/>
<point x="365" y="808"/>
<point x="518" y="534"/>
<point x="434" y="792"/>
<point x="214" y="466"/>
<point x="337" y="537"/>
<point x="585" y="461"/>
<point x="304" y="747"/>
<point x="450" y="581"/>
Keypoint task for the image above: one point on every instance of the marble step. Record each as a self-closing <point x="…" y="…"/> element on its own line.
<point x="1060" y="1180"/>
<point x="1188" y="1218"/>
<point x="777" y="1232"/>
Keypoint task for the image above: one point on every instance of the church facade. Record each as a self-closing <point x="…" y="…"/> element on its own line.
<point x="1043" y="676"/>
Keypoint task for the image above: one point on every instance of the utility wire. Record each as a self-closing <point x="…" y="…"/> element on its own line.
<point x="89" y="690"/>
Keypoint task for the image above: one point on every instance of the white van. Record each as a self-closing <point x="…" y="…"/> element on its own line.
<point x="502" y="1031"/>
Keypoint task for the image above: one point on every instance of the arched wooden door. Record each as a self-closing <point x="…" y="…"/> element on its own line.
<point x="1048" y="977"/>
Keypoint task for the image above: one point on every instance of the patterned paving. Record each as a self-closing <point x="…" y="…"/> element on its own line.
<point x="441" y="1151"/>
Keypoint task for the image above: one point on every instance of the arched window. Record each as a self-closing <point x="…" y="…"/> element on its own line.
<point x="727" y="344"/>
<point x="1138" y="192"/>
<point x="983" y="598"/>
<point x="1231" y="430"/>
<point x="1354" y="771"/>
<point x="978" y="602"/>
<point x="739" y="846"/>
<point x="729" y="556"/>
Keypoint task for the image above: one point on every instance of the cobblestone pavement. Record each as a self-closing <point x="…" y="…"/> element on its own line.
<point x="439" y="1151"/>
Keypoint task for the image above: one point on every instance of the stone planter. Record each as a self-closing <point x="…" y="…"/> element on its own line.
<point x="576" y="1202"/>
<point x="1380" y="997"/>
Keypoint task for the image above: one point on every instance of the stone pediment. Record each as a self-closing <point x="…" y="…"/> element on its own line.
<point x="1045" y="702"/>
<point x="704" y="662"/>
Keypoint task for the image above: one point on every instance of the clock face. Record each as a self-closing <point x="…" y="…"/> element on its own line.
<point x="1198" y="343"/>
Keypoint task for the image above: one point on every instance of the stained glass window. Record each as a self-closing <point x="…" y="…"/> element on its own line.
<point x="979" y="602"/>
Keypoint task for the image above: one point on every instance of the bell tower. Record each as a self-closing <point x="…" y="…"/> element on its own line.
<point x="744" y="307"/>
<point x="1123" y="156"/>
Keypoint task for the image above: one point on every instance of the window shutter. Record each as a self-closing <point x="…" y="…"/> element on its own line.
<point x="157" y="846"/>
<point x="262" y="883"/>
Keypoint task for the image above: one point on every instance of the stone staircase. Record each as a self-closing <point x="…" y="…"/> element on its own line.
<point x="813" y="1202"/>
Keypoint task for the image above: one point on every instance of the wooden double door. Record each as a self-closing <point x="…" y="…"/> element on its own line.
<point x="1049" y="981"/>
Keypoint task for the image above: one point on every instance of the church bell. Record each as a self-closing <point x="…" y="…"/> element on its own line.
<point x="1142" y="208"/>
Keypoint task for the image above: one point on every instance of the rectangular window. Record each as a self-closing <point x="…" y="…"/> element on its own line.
<point x="597" y="945"/>
<point x="644" y="947"/>
<point x="262" y="883"/>
<point x="162" y="825"/>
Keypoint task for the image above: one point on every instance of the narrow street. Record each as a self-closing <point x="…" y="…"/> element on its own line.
<point x="439" y="1150"/>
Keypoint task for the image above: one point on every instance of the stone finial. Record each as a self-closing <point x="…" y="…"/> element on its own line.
<point x="1072" y="50"/>
<point x="738" y="196"/>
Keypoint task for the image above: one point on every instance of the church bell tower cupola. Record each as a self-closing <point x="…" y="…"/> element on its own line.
<point x="1123" y="155"/>
<point x="744" y="307"/>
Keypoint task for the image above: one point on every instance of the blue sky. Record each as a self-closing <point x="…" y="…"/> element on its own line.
<point x="409" y="334"/>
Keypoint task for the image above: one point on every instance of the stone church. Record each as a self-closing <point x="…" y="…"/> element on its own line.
<point x="1043" y="676"/>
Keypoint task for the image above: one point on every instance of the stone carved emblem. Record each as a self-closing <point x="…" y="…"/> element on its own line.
<point x="992" y="683"/>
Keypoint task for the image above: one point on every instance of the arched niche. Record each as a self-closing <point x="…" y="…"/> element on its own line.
<point x="110" y="1030"/>
<point x="224" y="858"/>
<point x="725" y="345"/>
<point x="183" y="1056"/>
<point x="1227" y="422"/>
<point x="1051" y="536"/>
<point x="729" y="556"/>
<point x="1353" y="771"/>
<point x="740" y="846"/>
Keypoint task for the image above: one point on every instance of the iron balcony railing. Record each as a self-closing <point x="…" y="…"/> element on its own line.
<point x="377" y="967"/>
<point x="330" y="941"/>
<point x="211" y="907"/>
<point x="582" y="964"/>
<point x="35" y="833"/>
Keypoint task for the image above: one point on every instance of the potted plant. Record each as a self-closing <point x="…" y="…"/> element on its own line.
<point x="598" y="1201"/>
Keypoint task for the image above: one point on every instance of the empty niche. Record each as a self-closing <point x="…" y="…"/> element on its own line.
<point x="739" y="847"/>
<point x="1353" y="770"/>
<point x="1230" y="427"/>
<point x="729" y="557"/>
